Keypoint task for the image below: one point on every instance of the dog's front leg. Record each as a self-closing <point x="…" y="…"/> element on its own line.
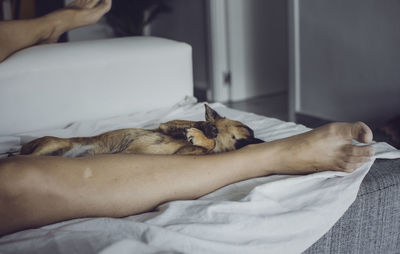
<point x="177" y="128"/>
<point x="197" y="138"/>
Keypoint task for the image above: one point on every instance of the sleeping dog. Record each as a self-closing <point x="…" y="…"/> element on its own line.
<point x="216" y="134"/>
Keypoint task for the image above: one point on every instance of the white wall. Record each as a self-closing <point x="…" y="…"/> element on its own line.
<point x="350" y="59"/>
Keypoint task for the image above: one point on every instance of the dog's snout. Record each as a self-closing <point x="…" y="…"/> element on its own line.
<point x="257" y="141"/>
<point x="249" y="141"/>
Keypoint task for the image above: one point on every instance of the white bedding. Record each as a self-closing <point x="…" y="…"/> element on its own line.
<point x="274" y="214"/>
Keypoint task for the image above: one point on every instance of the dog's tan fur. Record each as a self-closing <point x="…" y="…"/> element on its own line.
<point x="216" y="134"/>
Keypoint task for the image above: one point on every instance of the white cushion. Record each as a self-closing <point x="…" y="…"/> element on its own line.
<point x="53" y="85"/>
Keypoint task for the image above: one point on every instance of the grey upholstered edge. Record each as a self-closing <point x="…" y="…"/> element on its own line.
<point x="372" y="223"/>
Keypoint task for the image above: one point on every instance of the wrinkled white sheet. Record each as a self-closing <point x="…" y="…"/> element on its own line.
<point x="274" y="214"/>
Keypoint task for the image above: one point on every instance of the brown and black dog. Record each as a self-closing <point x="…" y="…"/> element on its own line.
<point x="216" y="134"/>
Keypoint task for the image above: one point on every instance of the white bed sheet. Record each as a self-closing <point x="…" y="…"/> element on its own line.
<point x="274" y="214"/>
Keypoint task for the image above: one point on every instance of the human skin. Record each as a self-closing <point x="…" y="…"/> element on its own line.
<point x="35" y="191"/>
<point x="19" y="34"/>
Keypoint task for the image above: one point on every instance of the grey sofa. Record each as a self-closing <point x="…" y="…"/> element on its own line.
<point x="372" y="223"/>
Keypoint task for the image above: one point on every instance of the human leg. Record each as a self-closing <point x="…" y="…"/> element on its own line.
<point x="19" y="34"/>
<point x="35" y="191"/>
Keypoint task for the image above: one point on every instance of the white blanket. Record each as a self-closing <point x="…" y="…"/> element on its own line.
<point x="274" y="214"/>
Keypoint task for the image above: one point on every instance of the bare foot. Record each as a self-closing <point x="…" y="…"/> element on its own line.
<point x="83" y="4"/>
<point x="77" y="14"/>
<point x="329" y="147"/>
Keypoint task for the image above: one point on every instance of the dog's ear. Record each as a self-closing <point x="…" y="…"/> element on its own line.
<point x="211" y="115"/>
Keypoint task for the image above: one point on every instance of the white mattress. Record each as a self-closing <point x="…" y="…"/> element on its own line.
<point x="274" y="214"/>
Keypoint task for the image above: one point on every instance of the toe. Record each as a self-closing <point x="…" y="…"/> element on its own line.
<point x="348" y="167"/>
<point x="361" y="132"/>
<point x="353" y="150"/>
<point x="83" y="4"/>
<point x="93" y="15"/>
<point x="345" y="167"/>
<point x="91" y="3"/>
<point x="356" y="159"/>
<point x="105" y="5"/>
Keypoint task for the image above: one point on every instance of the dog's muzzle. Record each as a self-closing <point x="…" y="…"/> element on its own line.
<point x="248" y="141"/>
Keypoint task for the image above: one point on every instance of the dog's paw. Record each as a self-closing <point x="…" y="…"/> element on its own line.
<point x="210" y="130"/>
<point x="197" y="138"/>
<point x="193" y="135"/>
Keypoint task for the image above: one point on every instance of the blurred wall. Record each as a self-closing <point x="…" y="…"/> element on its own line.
<point x="350" y="59"/>
<point x="258" y="42"/>
<point x="187" y="22"/>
